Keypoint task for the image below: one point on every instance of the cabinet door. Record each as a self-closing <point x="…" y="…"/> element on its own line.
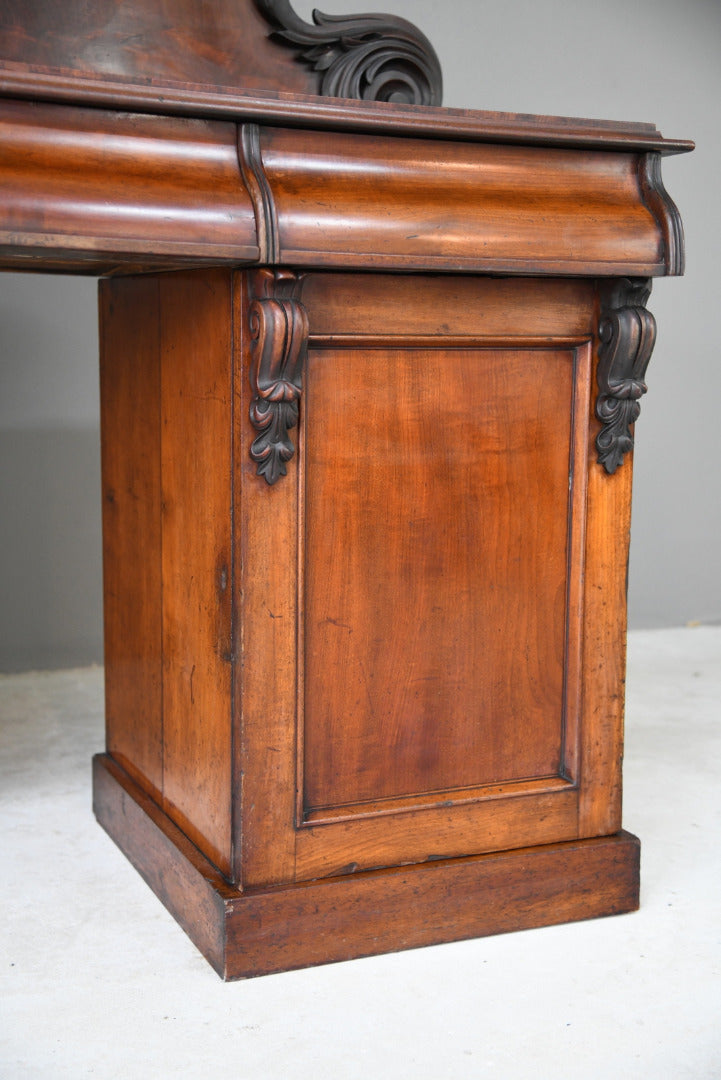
<point x="413" y="590"/>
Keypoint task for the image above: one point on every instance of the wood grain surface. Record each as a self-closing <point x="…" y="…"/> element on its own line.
<point x="357" y="200"/>
<point x="90" y="190"/>
<point x="373" y="697"/>
<point x="264" y="931"/>
<point x="226" y="43"/>
<point x="167" y="534"/>
<point x="100" y="191"/>
<point x="436" y="569"/>
<point x="130" y="423"/>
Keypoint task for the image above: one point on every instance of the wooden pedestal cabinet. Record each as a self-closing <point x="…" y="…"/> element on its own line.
<point x="379" y="702"/>
<point x="369" y="372"/>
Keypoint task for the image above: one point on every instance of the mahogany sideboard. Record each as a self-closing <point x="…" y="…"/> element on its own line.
<point x="369" y="373"/>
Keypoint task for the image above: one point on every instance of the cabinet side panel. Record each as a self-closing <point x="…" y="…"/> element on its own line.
<point x="130" y="423"/>
<point x="196" y="400"/>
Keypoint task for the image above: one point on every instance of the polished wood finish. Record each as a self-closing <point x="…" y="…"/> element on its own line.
<point x="167" y="493"/>
<point x="368" y="57"/>
<point x="279" y="346"/>
<point x="231" y="59"/>
<point x="94" y="190"/>
<point x="369" y="375"/>
<point x="404" y="690"/>
<point x="130" y="372"/>
<point x="603" y="651"/>
<point x="299" y="110"/>
<point x="332" y="198"/>
<point x="220" y="44"/>
<point x="628" y="333"/>
<point x="458" y="322"/>
<point x="543" y="308"/>
<point x="245" y="934"/>
<point x="90" y="190"/>
<point x="478" y="609"/>
<point x="259" y="44"/>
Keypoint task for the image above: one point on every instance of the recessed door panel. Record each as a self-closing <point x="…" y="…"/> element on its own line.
<point x="436" y="570"/>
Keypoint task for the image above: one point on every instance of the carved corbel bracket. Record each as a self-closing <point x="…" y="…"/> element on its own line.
<point x="370" y="57"/>
<point x="279" y="343"/>
<point x="627" y="333"/>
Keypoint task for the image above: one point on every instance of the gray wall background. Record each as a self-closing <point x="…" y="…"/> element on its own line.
<point x="656" y="60"/>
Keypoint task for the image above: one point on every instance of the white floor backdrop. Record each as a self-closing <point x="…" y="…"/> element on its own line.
<point x="96" y="980"/>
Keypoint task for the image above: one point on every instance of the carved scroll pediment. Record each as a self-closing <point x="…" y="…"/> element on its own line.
<point x="368" y="57"/>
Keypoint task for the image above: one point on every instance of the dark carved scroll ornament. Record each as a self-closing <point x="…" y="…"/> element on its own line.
<point x="279" y="336"/>
<point x="369" y="57"/>
<point x="627" y="333"/>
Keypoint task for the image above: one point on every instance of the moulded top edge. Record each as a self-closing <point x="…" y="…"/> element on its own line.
<point x="277" y="107"/>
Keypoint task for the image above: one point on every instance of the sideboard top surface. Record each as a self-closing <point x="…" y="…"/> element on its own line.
<point x="160" y="134"/>
<point x="258" y="60"/>
<point x="312" y="111"/>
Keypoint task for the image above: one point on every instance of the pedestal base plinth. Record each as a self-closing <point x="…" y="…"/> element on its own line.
<point x="244" y="934"/>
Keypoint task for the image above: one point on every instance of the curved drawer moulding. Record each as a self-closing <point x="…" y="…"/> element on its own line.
<point x="342" y="200"/>
<point x="82" y="181"/>
<point x="94" y="189"/>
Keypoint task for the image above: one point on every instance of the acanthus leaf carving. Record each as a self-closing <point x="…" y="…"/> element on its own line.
<point x="367" y="57"/>
<point x="627" y="333"/>
<point x="279" y="339"/>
